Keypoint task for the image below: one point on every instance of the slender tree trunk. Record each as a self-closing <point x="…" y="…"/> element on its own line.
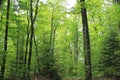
<point x="76" y="42"/>
<point x="27" y="40"/>
<point x="17" y="51"/>
<point x="5" y="44"/>
<point x="21" y="55"/>
<point x="31" y="38"/>
<point x="76" y="49"/>
<point x="86" y="42"/>
<point x="54" y="39"/>
<point x="76" y="45"/>
<point x="52" y="34"/>
<point x="18" y="42"/>
<point x="32" y="20"/>
<point x="31" y="35"/>
<point x="26" y="47"/>
<point x="52" y="29"/>
<point x="37" y="56"/>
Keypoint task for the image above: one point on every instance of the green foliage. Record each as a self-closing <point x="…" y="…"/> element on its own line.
<point x="110" y="54"/>
<point x="61" y="60"/>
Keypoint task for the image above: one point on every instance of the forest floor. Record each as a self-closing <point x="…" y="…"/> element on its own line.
<point x="93" y="79"/>
<point x="103" y="79"/>
<point x="36" y="78"/>
<point x="39" y="78"/>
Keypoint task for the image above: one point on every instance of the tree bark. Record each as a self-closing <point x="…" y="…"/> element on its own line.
<point x="88" y="71"/>
<point x="5" y="43"/>
<point x="32" y="20"/>
<point x="0" y="2"/>
<point x="31" y="35"/>
<point x="76" y="41"/>
<point x="52" y="34"/>
<point x="37" y="54"/>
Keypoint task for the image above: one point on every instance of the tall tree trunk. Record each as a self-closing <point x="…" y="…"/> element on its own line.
<point x="31" y="35"/>
<point x="52" y="34"/>
<point x="26" y="46"/>
<point x="18" y="40"/>
<point x="86" y="42"/>
<point x="31" y="38"/>
<point x="32" y="20"/>
<point x="5" y="43"/>
<point x="76" y="45"/>
<point x="76" y="48"/>
<point x="37" y="54"/>
<point x="52" y="29"/>
<point x="27" y="39"/>
<point x="17" y="50"/>
<point x="76" y="41"/>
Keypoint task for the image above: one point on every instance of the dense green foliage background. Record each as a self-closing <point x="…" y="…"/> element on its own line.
<point x="58" y="50"/>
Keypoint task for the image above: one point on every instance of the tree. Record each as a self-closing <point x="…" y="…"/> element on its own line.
<point x="86" y="41"/>
<point x="48" y="59"/>
<point x="3" y="67"/>
<point x="45" y="39"/>
<point x="32" y="22"/>
<point x="109" y="61"/>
